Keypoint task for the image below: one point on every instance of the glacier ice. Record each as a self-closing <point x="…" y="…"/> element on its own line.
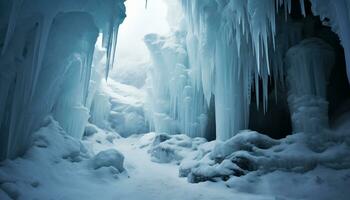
<point x="228" y="47"/>
<point x="174" y="104"/>
<point x="46" y="64"/>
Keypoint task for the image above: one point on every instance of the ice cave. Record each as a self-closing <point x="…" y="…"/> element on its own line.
<point x="175" y="99"/>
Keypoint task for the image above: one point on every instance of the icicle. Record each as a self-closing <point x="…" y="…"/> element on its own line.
<point x="88" y="77"/>
<point x="109" y="49"/>
<point x="115" y="38"/>
<point x="40" y="48"/>
<point x="302" y="5"/>
<point x="16" y="6"/>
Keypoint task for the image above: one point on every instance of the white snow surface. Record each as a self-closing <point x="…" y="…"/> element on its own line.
<point x="60" y="168"/>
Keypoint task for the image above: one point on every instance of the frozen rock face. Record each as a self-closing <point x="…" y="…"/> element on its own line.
<point x="40" y="74"/>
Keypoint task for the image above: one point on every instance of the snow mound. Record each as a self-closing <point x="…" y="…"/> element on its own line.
<point x="109" y="158"/>
<point x="52" y="142"/>
<point x="90" y="129"/>
<point x="250" y="151"/>
<point x="321" y="183"/>
<point x="165" y="148"/>
<point x="56" y="164"/>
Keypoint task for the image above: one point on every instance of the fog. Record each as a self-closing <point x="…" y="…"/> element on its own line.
<point x="139" y="22"/>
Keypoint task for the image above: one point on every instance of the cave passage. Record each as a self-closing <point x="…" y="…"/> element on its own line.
<point x="174" y="99"/>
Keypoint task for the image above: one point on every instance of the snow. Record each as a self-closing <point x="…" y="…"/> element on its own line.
<point x="126" y="115"/>
<point x="105" y="165"/>
<point x="60" y="168"/>
<point x="108" y="158"/>
<point x="251" y="151"/>
<point x="320" y="183"/>
<point x="166" y="149"/>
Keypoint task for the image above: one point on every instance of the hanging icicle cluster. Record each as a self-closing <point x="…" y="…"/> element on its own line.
<point x="232" y="45"/>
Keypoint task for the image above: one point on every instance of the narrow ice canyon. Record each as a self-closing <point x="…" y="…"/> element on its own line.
<point x="174" y="99"/>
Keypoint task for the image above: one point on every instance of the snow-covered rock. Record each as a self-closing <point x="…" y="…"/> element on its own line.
<point x="90" y="129"/>
<point x="127" y="114"/>
<point x="250" y="151"/>
<point x="165" y="148"/>
<point x="108" y="158"/>
<point x="56" y="164"/>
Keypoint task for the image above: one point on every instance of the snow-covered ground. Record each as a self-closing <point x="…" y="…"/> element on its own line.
<point x="150" y="180"/>
<point x="60" y="167"/>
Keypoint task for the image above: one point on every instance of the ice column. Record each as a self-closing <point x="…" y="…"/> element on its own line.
<point x="308" y="69"/>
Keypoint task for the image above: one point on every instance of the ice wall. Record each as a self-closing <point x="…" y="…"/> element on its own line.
<point x="237" y="45"/>
<point x="338" y="14"/>
<point x="233" y="46"/>
<point x="174" y="103"/>
<point x="45" y="64"/>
